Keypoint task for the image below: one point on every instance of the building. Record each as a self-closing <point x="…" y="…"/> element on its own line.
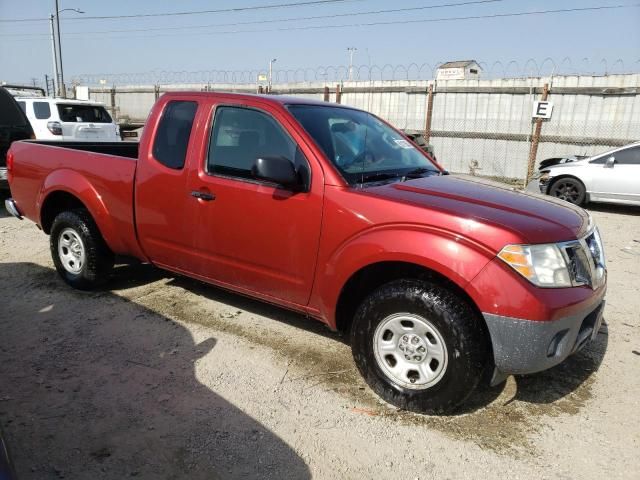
<point x="459" y="70"/>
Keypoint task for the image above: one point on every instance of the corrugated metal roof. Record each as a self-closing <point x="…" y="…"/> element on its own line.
<point x="457" y="64"/>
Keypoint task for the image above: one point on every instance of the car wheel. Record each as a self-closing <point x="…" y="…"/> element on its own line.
<point x="570" y="189"/>
<point x="419" y="346"/>
<point x="79" y="252"/>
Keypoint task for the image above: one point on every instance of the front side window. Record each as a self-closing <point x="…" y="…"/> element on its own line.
<point x="172" y="137"/>
<point x="82" y="113"/>
<point x="42" y="110"/>
<point x="240" y="136"/>
<point x="630" y="156"/>
<point x="362" y="147"/>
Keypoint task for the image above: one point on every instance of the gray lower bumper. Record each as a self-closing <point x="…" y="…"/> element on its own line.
<point x="526" y="346"/>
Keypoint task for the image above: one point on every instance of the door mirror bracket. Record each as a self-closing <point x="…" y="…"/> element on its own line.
<point x="610" y="162"/>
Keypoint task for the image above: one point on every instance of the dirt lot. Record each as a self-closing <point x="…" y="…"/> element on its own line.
<point x="163" y="377"/>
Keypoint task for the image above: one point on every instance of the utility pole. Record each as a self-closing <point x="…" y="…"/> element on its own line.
<point x="61" y="87"/>
<point x="62" y="90"/>
<point x="351" y="51"/>
<point x="271" y="62"/>
<point x="54" y="54"/>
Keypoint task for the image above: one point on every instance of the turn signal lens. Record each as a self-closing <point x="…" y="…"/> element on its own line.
<point x="543" y="265"/>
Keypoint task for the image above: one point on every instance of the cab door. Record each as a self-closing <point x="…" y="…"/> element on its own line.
<point x="161" y="195"/>
<point x="252" y="235"/>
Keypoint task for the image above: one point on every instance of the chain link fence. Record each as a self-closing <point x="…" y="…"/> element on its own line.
<point x="480" y="126"/>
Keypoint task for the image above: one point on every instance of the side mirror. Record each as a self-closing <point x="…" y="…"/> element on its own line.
<point x="278" y="170"/>
<point x="610" y="162"/>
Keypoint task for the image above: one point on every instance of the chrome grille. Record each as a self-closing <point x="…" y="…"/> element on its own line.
<point x="585" y="260"/>
<point x="578" y="264"/>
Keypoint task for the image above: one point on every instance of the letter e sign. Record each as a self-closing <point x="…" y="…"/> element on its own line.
<point x="542" y="109"/>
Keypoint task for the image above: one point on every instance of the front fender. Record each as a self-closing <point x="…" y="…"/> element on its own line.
<point x="455" y="257"/>
<point x="76" y="184"/>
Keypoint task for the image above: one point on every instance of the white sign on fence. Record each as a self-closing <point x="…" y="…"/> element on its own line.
<point x="542" y="109"/>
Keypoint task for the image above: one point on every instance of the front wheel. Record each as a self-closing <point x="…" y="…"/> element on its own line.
<point x="79" y="252"/>
<point x="569" y="189"/>
<point x="419" y="346"/>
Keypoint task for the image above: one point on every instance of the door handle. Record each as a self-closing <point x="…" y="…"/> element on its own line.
<point x="203" y="195"/>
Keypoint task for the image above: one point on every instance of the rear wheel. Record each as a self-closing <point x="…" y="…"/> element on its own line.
<point x="570" y="189"/>
<point x="419" y="346"/>
<point x="79" y="252"/>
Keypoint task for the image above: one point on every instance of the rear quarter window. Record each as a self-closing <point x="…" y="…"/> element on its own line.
<point x="42" y="110"/>
<point x="173" y="133"/>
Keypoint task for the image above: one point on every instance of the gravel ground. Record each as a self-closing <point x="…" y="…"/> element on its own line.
<point x="160" y="376"/>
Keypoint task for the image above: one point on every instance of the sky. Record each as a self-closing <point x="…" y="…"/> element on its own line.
<point x="247" y="39"/>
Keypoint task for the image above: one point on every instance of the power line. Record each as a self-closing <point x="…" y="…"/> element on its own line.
<point x="397" y="22"/>
<point x="259" y="22"/>
<point x="200" y="12"/>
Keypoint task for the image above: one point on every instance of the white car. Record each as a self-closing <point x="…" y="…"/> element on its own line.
<point x="612" y="177"/>
<point x="69" y="120"/>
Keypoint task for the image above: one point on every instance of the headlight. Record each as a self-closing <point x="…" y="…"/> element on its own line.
<point x="543" y="265"/>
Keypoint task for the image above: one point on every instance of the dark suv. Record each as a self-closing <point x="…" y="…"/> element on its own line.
<point x="13" y="126"/>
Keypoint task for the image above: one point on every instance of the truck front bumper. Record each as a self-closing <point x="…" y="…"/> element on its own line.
<point x="525" y="346"/>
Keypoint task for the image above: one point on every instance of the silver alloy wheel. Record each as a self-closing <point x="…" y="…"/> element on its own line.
<point x="410" y="351"/>
<point x="71" y="251"/>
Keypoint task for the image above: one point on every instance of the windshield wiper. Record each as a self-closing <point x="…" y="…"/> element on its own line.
<point x="379" y="177"/>
<point x="417" y="173"/>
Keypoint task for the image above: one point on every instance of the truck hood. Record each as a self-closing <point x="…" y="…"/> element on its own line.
<point x="534" y="218"/>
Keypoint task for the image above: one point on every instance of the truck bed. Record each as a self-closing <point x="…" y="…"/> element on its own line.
<point x="102" y="174"/>
<point x="120" y="149"/>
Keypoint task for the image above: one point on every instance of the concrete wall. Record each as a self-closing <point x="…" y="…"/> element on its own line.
<point x="484" y="125"/>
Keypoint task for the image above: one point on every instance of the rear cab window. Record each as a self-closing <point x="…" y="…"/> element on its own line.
<point x="174" y="130"/>
<point x="78" y="113"/>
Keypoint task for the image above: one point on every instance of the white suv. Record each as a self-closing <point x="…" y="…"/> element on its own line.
<point x="69" y="120"/>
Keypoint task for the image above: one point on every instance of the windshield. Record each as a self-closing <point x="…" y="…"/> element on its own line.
<point x="361" y="146"/>
<point x="83" y="113"/>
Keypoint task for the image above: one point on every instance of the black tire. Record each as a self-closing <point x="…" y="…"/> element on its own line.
<point x="458" y="326"/>
<point x="569" y="189"/>
<point x="98" y="258"/>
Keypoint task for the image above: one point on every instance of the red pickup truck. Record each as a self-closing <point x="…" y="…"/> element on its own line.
<point x="329" y="211"/>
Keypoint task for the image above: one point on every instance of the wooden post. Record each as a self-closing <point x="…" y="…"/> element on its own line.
<point x="326" y="93"/>
<point x="427" y="123"/>
<point x="156" y="91"/>
<point x="113" y="103"/>
<point x="535" y="140"/>
<point x="338" y="93"/>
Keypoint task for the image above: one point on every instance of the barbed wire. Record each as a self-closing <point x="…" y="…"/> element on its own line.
<point x="343" y="73"/>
